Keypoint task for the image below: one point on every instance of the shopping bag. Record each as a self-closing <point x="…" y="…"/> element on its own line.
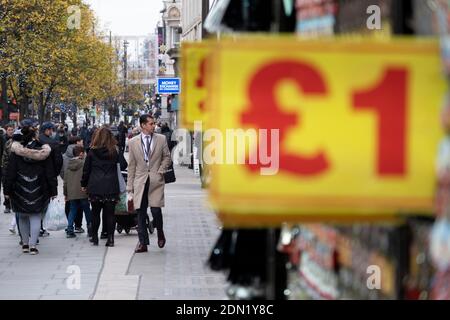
<point x="122" y="183"/>
<point x="55" y="216"/>
<point x="122" y="206"/>
<point x="130" y="205"/>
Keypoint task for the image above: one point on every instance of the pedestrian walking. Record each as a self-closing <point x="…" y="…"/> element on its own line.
<point x="4" y="159"/>
<point x="101" y="181"/>
<point x="73" y="142"/>
<point x="90" y="135"/>
<point x="30" y="184"/>
<point x="77" y="198"/>
<point x="74" y="132"/>
<point x="122" y="136"/>
<point x="149" y="158"/>
<point x="158" y="127"/>
<point x="165" y="130"/>
<point x="62" y="139"/>
<point x="47" y="136"/>
<point x="15" y="136"/>
<point x="84" y="135"/>
<point x="11" y="136"/>
<point x="2" y="146"/>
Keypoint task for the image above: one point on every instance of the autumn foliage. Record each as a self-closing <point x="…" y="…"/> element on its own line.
<point x="51" y="51"/>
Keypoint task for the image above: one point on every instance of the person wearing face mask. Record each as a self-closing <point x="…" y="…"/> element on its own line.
<point x="47" y="136"/>
<point x="62" y="139"/>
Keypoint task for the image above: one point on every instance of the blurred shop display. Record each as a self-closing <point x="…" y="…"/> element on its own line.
<point x="316" y="17"/>
<point x="344" y="262"/>
<point x="412" y="258"/>
<point x="338" y="262"/>
<point x="441" y="25"/>
<point x="407" y="257"/>
<point x="243" y="254"/>
<point x="254" y="268"/>
<point x="440" y="232"/>
<point x="230" y="16"/>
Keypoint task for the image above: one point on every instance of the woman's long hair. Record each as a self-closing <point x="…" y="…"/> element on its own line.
<point x="103" y="138"/>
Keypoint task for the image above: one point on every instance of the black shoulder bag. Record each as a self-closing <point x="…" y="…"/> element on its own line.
<point x="169" y="175"/>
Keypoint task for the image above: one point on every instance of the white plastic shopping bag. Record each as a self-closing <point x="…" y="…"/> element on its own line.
<point x="55" y="216"/>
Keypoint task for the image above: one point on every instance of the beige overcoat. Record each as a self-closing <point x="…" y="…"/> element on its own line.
<point x="139" y="170"/>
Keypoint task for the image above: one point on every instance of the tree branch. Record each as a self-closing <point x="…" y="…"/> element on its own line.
<point x="49" y="92"/>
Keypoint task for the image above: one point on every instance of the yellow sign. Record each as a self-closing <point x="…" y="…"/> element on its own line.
<point x="194" y="85"/>
<point x="337" y="130"/>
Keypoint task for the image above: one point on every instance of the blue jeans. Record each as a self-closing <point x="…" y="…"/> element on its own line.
<point x="74" y="205"/>
<point x="30" y="224"/>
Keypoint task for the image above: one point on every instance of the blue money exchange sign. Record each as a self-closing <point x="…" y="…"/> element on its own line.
<point x="169" y="85"/>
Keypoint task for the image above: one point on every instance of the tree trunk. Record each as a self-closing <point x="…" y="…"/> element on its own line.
<point x="41" y="108"/>
<point x="111" y="111"/>
<point x="23" y="104"/>
<point x="48" y="114"/>
<point x="74" y="119"/>
<point x="4" y="99"/>
<point x="116" y="111"/>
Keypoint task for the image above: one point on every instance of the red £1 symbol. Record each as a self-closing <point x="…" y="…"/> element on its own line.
<point x="200" y="83"/>
<point x="388" y="100"/>
<point x="264" y="112"/>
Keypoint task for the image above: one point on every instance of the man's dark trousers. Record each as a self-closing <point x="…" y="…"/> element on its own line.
<point x="142" y="217"/>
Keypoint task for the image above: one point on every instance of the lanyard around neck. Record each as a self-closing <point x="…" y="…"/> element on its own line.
<point x="144" y="147"/>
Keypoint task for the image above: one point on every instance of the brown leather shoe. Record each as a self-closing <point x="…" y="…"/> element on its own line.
<point x="141" y="248"/>
<point x="161" y="239"/>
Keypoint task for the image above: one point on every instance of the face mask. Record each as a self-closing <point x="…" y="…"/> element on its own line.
<point x="54" y="135"/>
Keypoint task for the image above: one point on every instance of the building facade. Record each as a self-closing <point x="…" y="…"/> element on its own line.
<point x="172" y="23"/>
<point x="191" y="20"/>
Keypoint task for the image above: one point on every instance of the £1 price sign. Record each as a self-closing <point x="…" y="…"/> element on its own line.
<point x="356" y="125"/>
<point x="194" y="73"/>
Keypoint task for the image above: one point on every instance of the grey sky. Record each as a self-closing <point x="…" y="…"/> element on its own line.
<point x="127" y="17"/>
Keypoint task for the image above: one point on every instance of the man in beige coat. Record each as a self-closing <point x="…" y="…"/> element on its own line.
<point x="149" y="158"/>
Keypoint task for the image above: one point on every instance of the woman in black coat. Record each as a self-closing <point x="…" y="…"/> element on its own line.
<point x="30" y="183"/>
<point x="101" y="181"/>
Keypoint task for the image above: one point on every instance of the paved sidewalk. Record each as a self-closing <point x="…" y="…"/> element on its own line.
<point x="176" y="272"/>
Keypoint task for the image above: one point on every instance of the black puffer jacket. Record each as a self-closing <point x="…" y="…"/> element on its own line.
<point x="30" y="181"/>
<point x="100" y="173"/>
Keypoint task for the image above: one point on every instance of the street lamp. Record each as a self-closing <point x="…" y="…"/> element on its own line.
<point x="125" y="58"/>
